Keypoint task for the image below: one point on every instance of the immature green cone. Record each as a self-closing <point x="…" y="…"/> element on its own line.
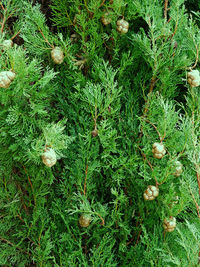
<point x="49" y="157"/>
<point x="57" y="55"/>
<point x="122" y="26"/>
<point x="85" y="220"/>
<point x="169" y="224"/>
<point x="6" y="77"/>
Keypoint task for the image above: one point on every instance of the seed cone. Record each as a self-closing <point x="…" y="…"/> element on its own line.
<point x="6" y="77"/>
<point x="179" y="169"/>
<point x="7" y="44"/>
<point x="158" y="150"/>
<point x="84" y="220"/>
<point x="57" y="55"/>
<point x="122" y="26"/>
<point x="169" y="224"/>
<point x="151" y="192"/>
<point x="49" y="157"/>
<point x="193" y="78"/>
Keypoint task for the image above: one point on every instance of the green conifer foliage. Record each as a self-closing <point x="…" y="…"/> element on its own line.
<point x="99" y="149"/>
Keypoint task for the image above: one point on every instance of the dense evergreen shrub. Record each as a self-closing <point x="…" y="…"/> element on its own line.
<point x="76" y="133"/>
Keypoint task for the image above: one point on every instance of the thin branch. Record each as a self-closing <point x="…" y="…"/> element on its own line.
<point x="102" y="3"/>
<point x="89" y="12"/>
<point x="22" y="220"/>
<point x="145" y="158"/>
<point x="152" y="85"/>
<point x="10" y="243"/>
<point x="129" y="242"/>
<point x="73" y="24"/>
<point x="164" y="234"/>
<point x="161" y="138"/>
<point x="2" y="6"/>
<point x="15" y="35"/>
<point x="18" y="215"/>
<point x="169" y="20"/>
<point x="86" y="171"/>
<point x="165" y="9"/>
<point x="198" y="180"/>
<point x="197" y="58"/>
<point x="165" y="179"/>
<point x="22" y="199"/>
<point x="46" y="39"/>
<point x="138" y="237"/>
<point x="3" y="23"/>
<point x="30" y="184"/>
<point x="196" y="204"/>
<point x="176" y="26"/>
<point x="5" y="19"/>
<point x="102" y="220"/>
<point x="149" y="163"/>
<point x="133" y="236"/>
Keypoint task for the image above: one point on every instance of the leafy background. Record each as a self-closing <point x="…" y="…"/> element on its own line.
<point x="134" y="89"/>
